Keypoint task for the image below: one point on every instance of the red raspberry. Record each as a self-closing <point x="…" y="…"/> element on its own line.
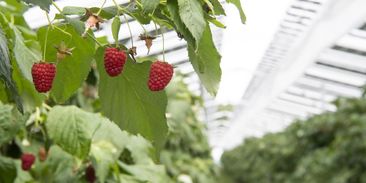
<point x="43" y="75"/>
<point x="27" y="161"/>
<point x="114" y="60"/>
<point x="90" y="174"/>
<point x="160" y="75"/>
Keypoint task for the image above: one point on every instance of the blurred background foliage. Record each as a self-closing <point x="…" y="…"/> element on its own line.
<point x="329" y="147"/>
<point x="186" y="154"/>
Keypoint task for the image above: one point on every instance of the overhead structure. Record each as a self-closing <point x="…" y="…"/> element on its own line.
<point x="317" y="55"/>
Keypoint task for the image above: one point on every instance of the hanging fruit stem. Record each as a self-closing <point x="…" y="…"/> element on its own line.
<point x="129" y="28"/>
<point x="162" y="36"/>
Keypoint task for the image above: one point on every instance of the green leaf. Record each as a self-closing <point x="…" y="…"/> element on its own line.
<point x="107" y="145"/>
<point x="191" y="13"/>
<point x="240" y="9"/>
<point x="150" y="173"/>
<point x="77" y="24"/>
<point x="214" y="21"/>
<point x="58" y="168"/>
<point x="116" y="25"/>
<point x="219" y="10"/>
<point x="9" y="124"/>
<point x="149" y="5"/>
<point x="72" y="129"/>
<point x="71" y="71"/>
<point x="180" y="27"/>
<point x="8" y="171"/>
<point x="127" y="101"/>
<point x="206" y="62"/>
<point x="106" y="13"/>
<point x="6" y="70"/>
<point x="44" y="4"/>
<point x="24" y="56"/>
<point x="73" y="10"/>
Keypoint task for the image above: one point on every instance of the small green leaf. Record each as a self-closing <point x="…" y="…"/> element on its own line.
<point x="219" y="10"/>
<point x="8" y="171"/>
<point x="214" y="21"/>
<point x="240" y="9"/>
<point x="72" y="129"/>
<point x="149" y="5"/>
<point x="73" y="69"/>
<point x="116" y="25"/>
<point x="78" y="25"/>
<point x="73" y="10"/>
<point x="206" y="62"/>
<point x="44" y="4"/>
<point x="191" y="13"/>
<point x="127" y="101"/>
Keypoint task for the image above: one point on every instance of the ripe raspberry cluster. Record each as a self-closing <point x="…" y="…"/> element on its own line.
<point x="114" y="60"/>
<point x="43" y="74"/>
<point x="160" y="72"/>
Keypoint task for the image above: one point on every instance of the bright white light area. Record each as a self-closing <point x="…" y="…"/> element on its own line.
<point x="244" y="45"/>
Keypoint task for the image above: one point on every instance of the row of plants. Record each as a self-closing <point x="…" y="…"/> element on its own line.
<point x="329" y="147"/>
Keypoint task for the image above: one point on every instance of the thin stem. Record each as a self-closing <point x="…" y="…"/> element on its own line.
<point x="91" y="36"/>
<point x="145" y="32"/>
<point x="58" y="8"/>
<point x="63" y="31"/>
<point x="48" y="19"/>
<point x="162" y="36"/>
<point x="45" y="44"/>
<point x="46" y="106"/>
<point x="100" y="10"/>
<point x="118" y="7"/>
<point x="129" y="29"/>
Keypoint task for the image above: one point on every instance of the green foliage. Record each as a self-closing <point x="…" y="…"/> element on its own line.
<point x="10" y="123"/>
<point x="187" y="151"/>
<point x="6" y="69"/>
<point x="237" y="3"/>
<point x="325" y="148"/>
<point x="149" y="6"/>
<point x="127" y="100"/>
<point x="44" y="4"/>
<point x="116" y="25"/>
<point x="73" y="69"/>
<point x="191" y="13"/>
<point x="72" y="129"/>
<point x="7" y="170"/>
<point x="206" y="62"/>
<point x="74" y="138"/>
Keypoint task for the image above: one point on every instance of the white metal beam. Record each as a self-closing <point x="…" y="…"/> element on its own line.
<point x="337" y="19"/>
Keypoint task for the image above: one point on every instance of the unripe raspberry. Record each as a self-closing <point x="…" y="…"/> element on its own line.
<point x="42" y="154"/>
<point x="160" y="75"/>
<point x="114" y="60"/>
